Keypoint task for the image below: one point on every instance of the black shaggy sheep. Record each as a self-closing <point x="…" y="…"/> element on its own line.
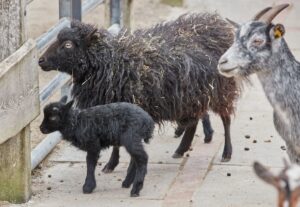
<point x="170" y="70"/>
<point x="96" y="128"/>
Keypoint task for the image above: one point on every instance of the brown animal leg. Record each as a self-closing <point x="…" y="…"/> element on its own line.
<point x="227" y="145"/>
<point x="186" y="140"/>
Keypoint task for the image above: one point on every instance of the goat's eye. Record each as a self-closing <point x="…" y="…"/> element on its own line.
<point x="68" y="44"/>
<point x="257" y="42"/>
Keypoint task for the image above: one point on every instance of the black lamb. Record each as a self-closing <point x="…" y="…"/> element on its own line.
<point x="169" y="70"/>
<point x="96" y="128"/>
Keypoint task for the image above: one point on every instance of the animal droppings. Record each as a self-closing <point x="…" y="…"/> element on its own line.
<point x="228" y="174"/>
<point x="247" y="136"/>
<point x="267" y="141"/>
<point x="246" y="149"/>
<point x="254" y="141"/>
<point x="251" y="118"/>
<point x="49" y="188"/>
<point x="49" y="176"/>
<point x="160" y="162"/>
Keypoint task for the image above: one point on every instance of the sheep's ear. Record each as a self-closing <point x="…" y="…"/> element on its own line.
<point x="90" y="36"/>
<point x="64" y="99"/>
<point x="263" y="173"/>
<point x="277" y="31"/>
<point x="70" y="104"/>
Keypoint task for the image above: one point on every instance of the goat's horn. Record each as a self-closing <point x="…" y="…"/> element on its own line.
<point x="259" y="14"/>
<point x="272" y="13"/>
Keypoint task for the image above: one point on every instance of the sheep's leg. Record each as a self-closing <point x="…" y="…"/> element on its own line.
<point x="90" y="181"/>
<point x="207" y="129"/>
<point x="186" y="141"/>
<point x="227" y="145"/>
<point x="131" y="171"/>
<point x="113" y="161"/>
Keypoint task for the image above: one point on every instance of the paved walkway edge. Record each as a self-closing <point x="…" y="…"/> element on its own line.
<point x="192" y="173"/>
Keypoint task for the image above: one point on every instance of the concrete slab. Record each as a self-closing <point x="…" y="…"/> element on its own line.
<point x="242" y="188"/>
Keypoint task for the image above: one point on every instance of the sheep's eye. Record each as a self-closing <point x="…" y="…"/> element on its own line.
<point x="258" y="42"/>
<point x="53" y="118"/>
<point x="68" y="45"/>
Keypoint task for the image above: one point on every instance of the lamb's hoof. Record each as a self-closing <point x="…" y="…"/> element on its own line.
<point x="177" y="135"/>
<point x="134" y="195"/>
<point x="125" y="184"/>
<point x="88" y="188"/>
<point x="177" y="155"/>
<point x="207" y="139"/>
<point x="107" y="169"/>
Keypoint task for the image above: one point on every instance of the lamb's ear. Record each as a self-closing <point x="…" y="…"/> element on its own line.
<point x="69" y="105"/>
<point x="90" y="36"/>
<point x="266" y="175"/>
<point x="64" y="99"/>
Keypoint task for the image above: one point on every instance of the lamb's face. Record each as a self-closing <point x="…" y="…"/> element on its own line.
<point x="53" y="118"/>
<point x="55" y="115"/>
<point x="68" y="53"/>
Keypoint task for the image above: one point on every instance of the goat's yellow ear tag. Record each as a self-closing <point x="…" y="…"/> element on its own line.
<point x="278" y="31"/>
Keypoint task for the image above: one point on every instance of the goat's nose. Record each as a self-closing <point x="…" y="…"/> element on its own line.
<point x="42" y="60"/>
<point x="223" y="61"/>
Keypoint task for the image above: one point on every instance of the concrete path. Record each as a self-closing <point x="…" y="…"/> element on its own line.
<point x="198" y="179"/>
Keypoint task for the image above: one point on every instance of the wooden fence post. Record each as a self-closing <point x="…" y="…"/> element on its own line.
<point x="19" y="103"/>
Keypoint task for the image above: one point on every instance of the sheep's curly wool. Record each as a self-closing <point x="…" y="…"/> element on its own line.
<point x="169" y="70"/>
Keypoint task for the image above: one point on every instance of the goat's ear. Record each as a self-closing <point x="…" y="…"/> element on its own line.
<point x="89" y="37"/>
<point x="265" y="174"/>
<point x="277" y="31"/>
<point x="64" y="99"/>
<point x="69" y="105"/>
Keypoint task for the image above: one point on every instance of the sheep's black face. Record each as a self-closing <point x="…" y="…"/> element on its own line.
<point x="55" y="115"/>
<point x="68" y="53"/>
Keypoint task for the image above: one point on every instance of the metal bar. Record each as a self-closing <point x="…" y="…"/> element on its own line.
<point x="65" y="8"/>
<point x="46" y="38"/>
<point x="70" y="9"/>
<point x="44" y="148"/>
<point x="115" y="9"/>
<point x="76" y="9"/>
<point x="55" y="84"/>
<point x="88" y="5"/>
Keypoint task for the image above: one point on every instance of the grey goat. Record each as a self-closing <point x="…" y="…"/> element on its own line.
<point x="259" y="47"/>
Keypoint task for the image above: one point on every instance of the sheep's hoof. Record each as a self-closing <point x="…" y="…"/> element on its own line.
<point x="134" y="195"/>
<point x="125" y="184"/>
<point x="207" y="139"/>
<point x="88" y="188"/>
<point x="107" y="169"/>
<point x="177" y="155"/>
<point x="225" y="159"/>
<point x="177" y="135"/>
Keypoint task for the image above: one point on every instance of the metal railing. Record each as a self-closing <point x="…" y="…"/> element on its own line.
<point x="68" y="9"/>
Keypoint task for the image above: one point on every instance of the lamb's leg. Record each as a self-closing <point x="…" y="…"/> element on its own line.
<point x="113" y="161"/>
<point x="141" y="159"/>
<point x="186" y="140"/>
<point x="227" y="145"/>
<point x="90" y="181"/>
<point x="207" y="129"/>
<point x="131" y="171"/>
